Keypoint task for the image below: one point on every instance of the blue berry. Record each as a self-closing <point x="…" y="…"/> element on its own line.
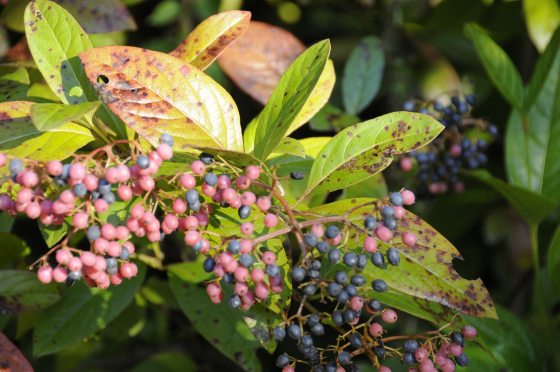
<point x="377" y="259"/>
<point x="298" y="274"/>
<point x="15" y="166"/>
<point x="104" y="187"/>
<point x="125" y="253"/>
<point x="279" y="333"/>
<point x="350" y="259"/>
<point x="192" y="196"/>
<point x="310" y="240"/>
<point x="307" y="341"/>
<point x="143" y="162"/>
<point x="393" y="256"/>
<point x="235" y="301"/>
<point x="246" y="260"/>
<point x="167" y="139"/>
<point x="388" y="211"/>
<point x="318" y="329"/>
<point x="349" y="315"/>
<point x="229" y="278"/>
<point x="313" y="274"/>
<point x="111" y="262"/>
<point x="75" y="275"/>
<point x="341" y="277"/>
<point x="316" y="264"/>
<point x="93" y="232"/>
<point x="362" y="261"/>
<point x="457" y="338"/>
<point x="410" y="346"/>
<point x="370" y="223"/>
<point x="338" y="318"/>
<point x="309" y="290"/>
<point x="109" y="197"/>
<point x="294" y="331"/>
<point x="206" y="158"/>
<point x="209" y="264"/>
<point x="379" y="285"/>
<point x="244" y="212"/>
<point x="332" y="232"/>
<point x="283" y="360"/>
<point x="79" y="190"/>
<point x="379" y="351"/>
<point x="343" y="297"/>
<point x="408" y="359"/>
<point x="234" y="246"/>
<point x="374" y="305"/>
<point x="211" y="179"/>
<point x="322" y="247"/>
<point x="194" y="206"/>
<point x="355" y="340"/>
<point x="94" y="194"/>
<point x="409" y="105"/>
<point x="272" y="270"/>
<point x="471" y="100"/>
<point x="297" y="175"/>
<point x="344" y="358"/>
<point x="351" y="290"/>
<point x="358" y="280"/>
<point x="462" y="360"/>
<point x="334" y="255"/>
<point x="396" y="198"/>
<point x="313" y="319"/>
<point x="390" y="223"/>
<point x="334" y="289"/>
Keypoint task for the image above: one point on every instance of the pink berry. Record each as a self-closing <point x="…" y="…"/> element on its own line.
<point x="54" y="168"/>
<point x="248" y="198"/>
<point x="375" y="330"/>
<point x="100" y="245"/>
<point x="75" y="264"/>
<point x="100" y="205"/>
<point x="399" y="212"/>
<point x="187" y="180"/>
<point x="261" y="291"/>
<point x="223" y="181"/>
<point x="108" y="231"/>
<point x="44" y="274"/>
<point x="80" y="220"/>
<point x="318" y="230"/>
<point x="269" y="257"/>
<point x="192" y="237"/>
<point x="112" y="175"/>
<point x="408" y="197"/>
<point x="146" y="183"/>
<point x="33" y="210"/>
<point x="384" y="369"/>
<point x="241" y="274"/>
<point x="165" y="151"/>
<point x="124" y="173"/>
<point x="469" y="332"/>
<point x="421" y="354"/>
<point x="257" y="275"/>
<point x="67" y="197"/>
<point x="246" y="246"/>
<point x="2" y="159"/>
<point x="24" y="196"/>
<point x="264" y="203"/>
<point x="128" y="270"/>
<point x="247" y="228"/>
<point x="383" y="233"/>
<point x="198" y="167"/>
<point x="213" y="290"/>
<point x="270" y="220"/>
<point x="406" y="164"/>
<point x="63" y="256"/>
<point x="77" y="171"/>
<point x="129" y="246"/>
<point x="116" y="279"/>
<point x="179" y="206"/>
<point x="241" y="288"/>
<point x="137" y="211"/>
<point x="114" y="249"/>
<point x="171" y="221"/>
<point x="459" y="187"/>
<point x="208" y="190"/>
<point x="124" y="192"/>
<point x="426" y="365"/>
<point x="236" y="202"/>
<point x="455" y="349"/>
<point x="87" y="258"/>
<point x="389" y="316"/>
<point x="288" y="369"/>
<point x="30" y="179"/>
<point x="409" y="239"/>
<point x="455" y="150"/>
<point x="59" y="274"/>
<point x="370" y="244"/>
<point x="190" y="223"/>
<point x="91" y="182"/>
<point x="229" y="195"/>
<point x="449" y="366"/>
<point x="356" y="303"/>
<point x="243" y="182"/>
<point x="253" y="172"/>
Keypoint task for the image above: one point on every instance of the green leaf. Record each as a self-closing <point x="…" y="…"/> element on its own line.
<point x="208" y="40"/>
<point x="498" y="66"/>
<point x="158" y="93"/>
<point x="52" y="234"/>
<point x="47" y="116"/>
<point x="331" y="118"/>
<point x="290" y="146"/>
<point x="14" y="84"/>
<point x="81" y="312"/>
<point x="164" y="13"/>
<point x="367" y="148"/>
<point x="531" y="206"/>
<point x="542" y="69"/>
<point x="373" y="187"/>
<point x="55" y="39"/>
<point x="12" y="15"/>
<point x="542" y="18"/>
<point x="166" y="361"/>
<point x="553" y="261"/>
<point x="289" y="97"/>
<point x="532" y="140"/>
<point x="514" y="346"/>
<point x="13" y="252"/>
<point x="21" y="291"/>
<point x="223" y="327"/>
<point x="363" y="73"/>
<point x="426" y="269"/>
<point x="100" y="16"/>
<point x="19" y="137"/>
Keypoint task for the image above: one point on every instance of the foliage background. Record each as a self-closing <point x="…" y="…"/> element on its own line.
<point x="426" y="51"/>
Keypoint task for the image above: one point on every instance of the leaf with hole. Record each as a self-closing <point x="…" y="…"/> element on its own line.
<point x="155" y="93"/>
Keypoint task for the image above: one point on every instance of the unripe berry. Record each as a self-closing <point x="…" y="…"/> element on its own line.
<point x="261" y="291"/>
<point x="370" y="244"/>
<point x="59" y="274"/>
<point x="243" y="182"/>
<point x="384" y="369"/>
<point x="264" y="203"/>
<point x="389" y="316"/>
<point x="124" y="192"/>
<point x="246" y="246"/>
<point x="198" y="167"/>
<point x="421" y="354"/>
<point x="91" y="182"/>
<point x="187" y="180"/>
<point x="63" y="256"/>
<point x="128" y="270"/>
<point x="54" y="168"/>
<point x="192" y="237"/>
<point x="270" y="220"/>
<point x="408" y="197"/>
<point x="247" y="228"/>
<point x="100" y="245"/>
<point x="74" y="264"/>
<point x="146" y="183"/>
<point x="77" y="171"/>
<point x="455" y="349"/>
<point x="87" y="258"/>
<point x="80" y="220"/>
<point x="45" y="274"/>
<point x="375" y="330"/>
<point x="165" y="151"/>
<point x="179" y="206"/>
<point x="108" y="231"/>
<point x="253" y="172"/>
<point x="356" y="303"/>
<point x="24" y="196"/>
<point x="383" y="233"/>
<point x="33" y="210"/>
<point x="248" y="198"/>
<point x="469" y="332"/>
<point x="241" y="274"/>
<point x="29" y="179"/>
<point x="269" y="257"/>
<point x="100" y="205"/>
<point x="409" y="239"/>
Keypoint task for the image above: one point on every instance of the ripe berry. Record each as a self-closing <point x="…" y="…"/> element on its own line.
<point x="350" y="259"/>
<point x="396" y="198"/>
<point x="310" y="240"/>
<point x="379" y="285"/>
<point x="332" y="232"/>
<point x="344" y="357"/>
<point x="410" y="346"/>
<point x="358" y="280"/>
<point x="282" y="360"/>
<point x="457" y="338"/>
<point x="341" y="277"/>
<point x="379" y="351"/>
<point x="377" y="259"/>
<point x="318" y="329"/>
<point x="408" y="358"/>
<point x="93" y="232"/>
<point x="298" y="274"/>
<point x="297" y="175"/>
<point x="393" y="256"/>
<point x="234" y="301"/>
<point x="279" y="333"/>
<point x="462" y="360"/>
<point x="355" y="340"/>
<point x="334" y="289"/>
<point x="338" y="318"/>
<point x="143" y="162"/>
<point x="294" y="331"/>
<point x="244" y="211"/>
<point x="334" y="255"/>
<point x="374" y="305"/>
<point x="15" y="166"/>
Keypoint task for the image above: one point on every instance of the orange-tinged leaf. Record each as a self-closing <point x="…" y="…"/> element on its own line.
<point x="209" y="39"/>
<point x="11" y="358"/>
<point x="257" y="60"/>
<point x="155" y="93"/>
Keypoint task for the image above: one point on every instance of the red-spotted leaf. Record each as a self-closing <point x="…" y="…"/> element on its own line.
<point x="155" y="93"/>
<point x="11" y="358"/>
<point x="367" y="148"/>
<point x="426" y="269"/>
<point x="209" y="39"/>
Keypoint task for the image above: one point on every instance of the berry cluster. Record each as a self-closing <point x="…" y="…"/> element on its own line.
<point x="462" y="145"/>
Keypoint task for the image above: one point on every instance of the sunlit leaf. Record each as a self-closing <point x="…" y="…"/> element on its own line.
<point x="542" y="18"/>
<point x="47" y="116"/>
<point x="210" y="38"/>
<point x="155" y="93"/>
